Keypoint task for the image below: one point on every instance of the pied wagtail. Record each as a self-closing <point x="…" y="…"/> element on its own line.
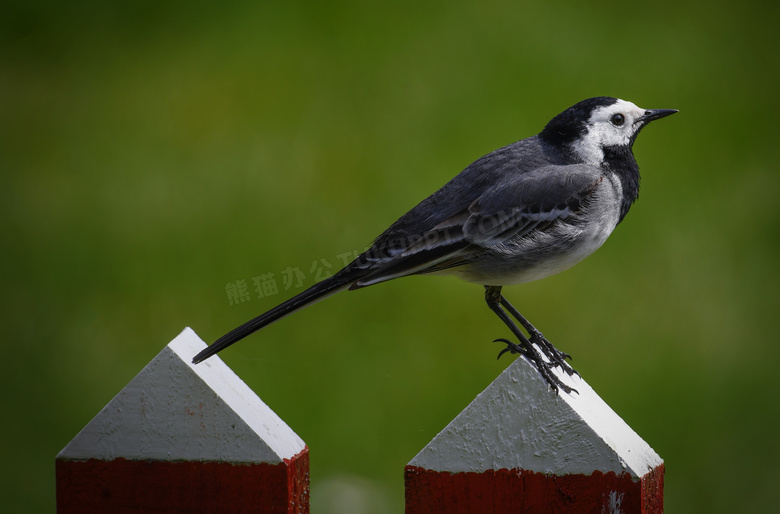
<point x="523" y="212"/>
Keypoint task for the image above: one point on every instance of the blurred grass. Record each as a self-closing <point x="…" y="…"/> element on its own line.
<point x="151" y="154"/>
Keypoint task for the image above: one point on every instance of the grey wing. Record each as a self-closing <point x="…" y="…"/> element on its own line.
<point x="439" y="248"/>
<point x="514" y="206"/>
<point x="528" y="202"/>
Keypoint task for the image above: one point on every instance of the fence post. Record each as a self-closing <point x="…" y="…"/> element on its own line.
<point x="184" y="438"/>
<point x="520" y="448"/>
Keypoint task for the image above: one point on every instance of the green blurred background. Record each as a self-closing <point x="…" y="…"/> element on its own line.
<point x="152" y="154"/>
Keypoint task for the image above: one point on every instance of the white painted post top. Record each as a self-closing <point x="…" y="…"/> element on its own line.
<point x="175" y="410"/>
<point x="518" y="422"/>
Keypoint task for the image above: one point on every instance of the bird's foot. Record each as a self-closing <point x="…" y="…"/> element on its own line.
<point x="543" y="366"/>
<point x="553" y="354"/>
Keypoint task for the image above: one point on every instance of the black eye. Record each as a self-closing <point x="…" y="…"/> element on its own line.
<point x="618" y="119"/>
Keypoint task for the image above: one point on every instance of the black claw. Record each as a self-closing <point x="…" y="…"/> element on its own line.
<point x="545" y="368"/>
<point x="510" y="347"/>
<point x="555" y="356"/>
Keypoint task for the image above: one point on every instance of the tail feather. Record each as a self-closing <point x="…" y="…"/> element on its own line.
<point x="312" y="295"/>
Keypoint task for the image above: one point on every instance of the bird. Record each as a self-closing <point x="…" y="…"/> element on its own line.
<point x="523" y="212"/>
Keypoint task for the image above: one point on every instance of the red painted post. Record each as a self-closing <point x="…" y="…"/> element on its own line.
<point x="520" y="448"/>
<point x="184" y="438"/>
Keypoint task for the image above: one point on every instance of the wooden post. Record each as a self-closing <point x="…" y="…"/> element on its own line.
<point x="184" y="438"/>
<point x="520" y="448"/>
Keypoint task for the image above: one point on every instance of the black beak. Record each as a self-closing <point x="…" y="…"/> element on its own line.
<point x="656" y="114"/>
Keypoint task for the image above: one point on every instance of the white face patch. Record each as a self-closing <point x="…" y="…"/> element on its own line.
<point x="605" y="129"/>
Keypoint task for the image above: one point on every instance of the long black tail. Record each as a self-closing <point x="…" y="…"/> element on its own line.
<point x="315" y="293"/>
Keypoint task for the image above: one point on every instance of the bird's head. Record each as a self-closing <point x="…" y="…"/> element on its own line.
<point x="589" y="127"/>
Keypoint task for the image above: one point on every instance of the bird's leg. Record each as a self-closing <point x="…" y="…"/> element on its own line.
<point x="495" y="301"/>
<point x="557" y="357"/>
